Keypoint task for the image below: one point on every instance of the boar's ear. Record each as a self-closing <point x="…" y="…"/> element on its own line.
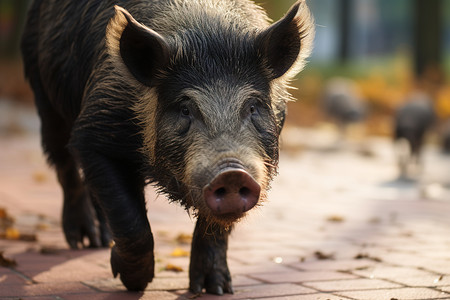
<point x="287" y="43"/>
<point x="142" y="50"/>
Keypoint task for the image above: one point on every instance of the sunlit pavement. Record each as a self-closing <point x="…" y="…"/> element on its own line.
<point x="338" y="225"/>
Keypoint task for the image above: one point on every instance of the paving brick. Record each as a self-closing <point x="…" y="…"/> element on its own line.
<point x="391" y="272"/>
<point x="441" y="266"/>
<point x="321" y="296"/>
<point x="298" y="277"/>
<point x="351" y="285"/>
<point x="32" y="261"/>
<point x="158" y="284"/>
<point x="259" y="291"/>
<point x="106" y="285"/>
<point x="35" y="298"/>
<point x="10" y="277"/>
<point x="154" y="295"/>
<point x="68" y="273"/>
<point x="240" y="268"/>
<point x="334" y="265"/>
<point x="266" y="255"/>
<point x="403" y="294"/>
<point x="424" y="281"/>
<point x="444" y="289"/>
<point x="169" y="284"/>
<point x="73" y="270"/>
<point x="241" y="280"/>
<point x="43" y="289"/>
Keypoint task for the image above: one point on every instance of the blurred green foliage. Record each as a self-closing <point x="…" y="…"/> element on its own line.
<point x="12" y="17"/>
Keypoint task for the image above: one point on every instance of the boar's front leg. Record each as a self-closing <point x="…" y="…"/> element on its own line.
<point x="208" y="267"/>
<point x="119" y="189"/>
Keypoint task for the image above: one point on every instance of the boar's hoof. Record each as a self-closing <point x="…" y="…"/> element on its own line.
<point x="79" y="223"/>
<point x="217" y="284"/>
<point x="231" y="192"/>
<point x="135" y="274"/>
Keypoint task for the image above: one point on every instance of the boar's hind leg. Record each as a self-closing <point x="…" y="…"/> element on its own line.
<point x="208" y="268"/>
<point x="78" y="216"/>
<point x="105" y="233"/>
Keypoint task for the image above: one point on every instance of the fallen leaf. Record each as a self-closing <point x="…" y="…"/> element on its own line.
<point x="162" y="233"/>
<point x="7" y="262"/>
<point x="322" y="256"/>
<point x="5" y="220"/>
<point x="335" y="219"/>
<point x="28" y="237"/>
<point x="173" y="268"/>
<point x="367" y="256"/>
<point x="49" y="250"/>
<point x="12" y="233"/>
<point x="178" y="252"/>
<point x="42" y="226"/>
<point x="40" y="177"/>
<point x="439" y="279"/>
<point x="184" y="238"/>
<point x="3" y="213"/>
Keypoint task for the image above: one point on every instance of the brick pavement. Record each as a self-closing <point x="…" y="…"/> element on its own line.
<point x="337" y="226"/>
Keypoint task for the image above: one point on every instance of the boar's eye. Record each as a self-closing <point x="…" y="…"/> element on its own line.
<point x="185" y="111"/>
<point x="253" y="107"/>
<point x="184" y="106"/>
<point x="184" y="121"/>
<point x="185" y="116"/>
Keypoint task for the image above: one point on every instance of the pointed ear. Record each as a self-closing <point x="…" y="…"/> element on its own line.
<point x="142" y="50"/>
<point x="287" y="43"/>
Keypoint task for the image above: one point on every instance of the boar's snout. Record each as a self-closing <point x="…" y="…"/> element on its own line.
<point x="232" y="192"/>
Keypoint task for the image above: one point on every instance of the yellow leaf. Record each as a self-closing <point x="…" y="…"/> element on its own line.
<point x="173" y="268"/>
<point x="7" y="262"/>
<point x="3" y="213"/>
<point x="178" y="252"/>
<point x="40" y="177"/>
<point x="184" y="238"/>
<point x="335" y="219"/>
<point x="12" y="234"/>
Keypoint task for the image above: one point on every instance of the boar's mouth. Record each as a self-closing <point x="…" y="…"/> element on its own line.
<point x="232" y="192"/>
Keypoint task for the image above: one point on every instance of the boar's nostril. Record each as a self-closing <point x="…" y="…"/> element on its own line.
<point x="220" y="193"/>
<point x="245" y="192"/>
<point x="232" y="191"/>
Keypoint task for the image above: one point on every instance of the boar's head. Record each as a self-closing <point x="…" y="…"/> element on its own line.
<point x="211" y="98"/>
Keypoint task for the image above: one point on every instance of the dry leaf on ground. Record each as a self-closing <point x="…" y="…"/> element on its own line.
<point x="173" y="268"/>
<point x="178" y="252"/>
<point x="184" y="238"/>
<point x="323" y="256"/>
<point x="7" y="262"/>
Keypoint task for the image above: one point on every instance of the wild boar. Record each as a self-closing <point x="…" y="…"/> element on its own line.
<point x="189" y="96"/>
<point x="342" y="102"/>
<point x="445" y="136"/>
<point x="412" y="122"/>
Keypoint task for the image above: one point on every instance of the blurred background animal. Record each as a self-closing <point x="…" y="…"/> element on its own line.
<point x="411" y="123"/>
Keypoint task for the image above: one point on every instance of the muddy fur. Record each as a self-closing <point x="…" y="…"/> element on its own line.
<point x="164" y="92"/>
